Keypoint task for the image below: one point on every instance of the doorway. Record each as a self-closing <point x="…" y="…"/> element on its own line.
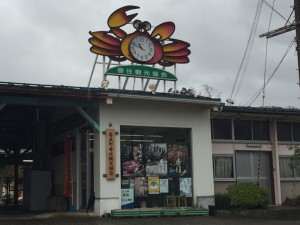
<point x="254" y="167"/>
<point x="11" y="185"/>
<point x="86" y="166"/>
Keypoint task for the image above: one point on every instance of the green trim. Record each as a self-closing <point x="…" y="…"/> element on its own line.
<point x="49" y="101"/>
<point x="88" y="118"/>
<point x="141" y="72"/>
<point x="2" y="105"/>
<point x="158" y="212"/>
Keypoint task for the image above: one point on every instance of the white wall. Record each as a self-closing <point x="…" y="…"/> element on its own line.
<point x="138" y="112"/>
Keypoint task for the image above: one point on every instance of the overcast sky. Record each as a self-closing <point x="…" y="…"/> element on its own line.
<point x="46" y="42"/>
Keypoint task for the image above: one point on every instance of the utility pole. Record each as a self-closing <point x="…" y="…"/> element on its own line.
<point x="297" y="23"/>
<point x="289" y="27"/>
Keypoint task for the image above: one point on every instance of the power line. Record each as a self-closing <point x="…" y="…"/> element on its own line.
<point x="252" y="100"/>
<point x="264" y="95"/>
<point x="245" y="59"/>
<point x="273" y="9"/>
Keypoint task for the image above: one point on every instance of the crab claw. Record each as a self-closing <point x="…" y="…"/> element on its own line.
<point x="119" y="17"/>
<point x="164" y="30"/>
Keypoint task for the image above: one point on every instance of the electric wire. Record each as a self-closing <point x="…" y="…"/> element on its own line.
<point x="256" y="95"/>
<point x="264" y="94"/>
<point x="274" y="10"/>
<point x="245" y="59"/>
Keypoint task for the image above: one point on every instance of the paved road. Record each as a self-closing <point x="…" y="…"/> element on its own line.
<point x="95" y="220"/>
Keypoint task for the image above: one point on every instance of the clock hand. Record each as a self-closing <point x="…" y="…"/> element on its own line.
<point x="141" y="47"/>
<point x="137" y="45"/>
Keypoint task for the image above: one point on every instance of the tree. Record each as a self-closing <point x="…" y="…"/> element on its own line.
<point x="210" y="91"/>
<point x="295" y="160"/>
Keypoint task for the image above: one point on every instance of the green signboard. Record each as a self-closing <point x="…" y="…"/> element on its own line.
<point x="141" y="72"/>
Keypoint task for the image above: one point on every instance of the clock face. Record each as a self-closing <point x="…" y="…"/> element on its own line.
<point x="142" y="48"/>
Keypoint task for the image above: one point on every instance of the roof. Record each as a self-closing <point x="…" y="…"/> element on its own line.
<point x="88" y="94"/>
<point x="259" y="110"/>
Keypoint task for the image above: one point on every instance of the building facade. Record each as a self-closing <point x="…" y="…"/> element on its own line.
<point x="162" y="147"/>
<point x="252" y="144"/>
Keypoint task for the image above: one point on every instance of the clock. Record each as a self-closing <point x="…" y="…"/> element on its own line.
<point x="141" y="48"/>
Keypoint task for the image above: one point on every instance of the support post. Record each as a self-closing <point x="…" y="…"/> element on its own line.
<point x="297" y="22"/>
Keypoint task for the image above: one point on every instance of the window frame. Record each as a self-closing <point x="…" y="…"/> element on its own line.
<point x="252" y="130"/>
<point x="233" y="167"/>
<point x="294" y="177"/>
<point x="213" y="120"/>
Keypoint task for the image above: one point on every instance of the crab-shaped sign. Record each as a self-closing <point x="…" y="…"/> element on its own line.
<point x="140" y="46"/>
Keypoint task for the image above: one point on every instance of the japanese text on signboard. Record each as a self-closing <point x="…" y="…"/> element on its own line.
<point x="110" y="154"/>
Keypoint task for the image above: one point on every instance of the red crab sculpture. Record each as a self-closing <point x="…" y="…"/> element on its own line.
<point x="139" y="46"/>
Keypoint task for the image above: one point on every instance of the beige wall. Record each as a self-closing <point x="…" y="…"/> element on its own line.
<point x="289" y="189"/>
<point x="136" y="112"/>
<point x="220" y="187"/>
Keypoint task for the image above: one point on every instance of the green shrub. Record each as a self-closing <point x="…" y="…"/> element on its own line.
<point x="248" y="195"/>
<point x="222" y="201"/>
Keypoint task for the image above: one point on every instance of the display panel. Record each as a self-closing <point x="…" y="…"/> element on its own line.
<point x="158" y="160"/>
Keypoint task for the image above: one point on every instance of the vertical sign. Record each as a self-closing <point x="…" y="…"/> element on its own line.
<point x="110" y="154"/>
<point x="127" y="199"/>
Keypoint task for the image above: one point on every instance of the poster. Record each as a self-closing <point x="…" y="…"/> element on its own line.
<point x="153" y="185"/>
<point x="156" y="159"/>
<point x="140" y="187"/>
<point x="133" y="164"/>
<point x="127" y="183"/>
<point x="186" y="187"/>
<point x="127" y="198"/>
<point x="132" y="168"/>
<point x="164" y="186"/>
<point x="178" y="160"/>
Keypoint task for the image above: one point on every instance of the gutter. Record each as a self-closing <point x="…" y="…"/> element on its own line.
<point x="167" y="99"/>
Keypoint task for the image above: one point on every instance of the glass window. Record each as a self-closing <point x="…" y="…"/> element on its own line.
<point x="243" y="164"/>
<point x="284" y="131"/>
<point x="221" y="129"/>
<point x="155" y="162"/>
<point x="296" y="131"/>
<point x="286" y="171"/>
<point x="223" y="167"/>
<point x="260" y="130"/>
<point x="242" y="130"/>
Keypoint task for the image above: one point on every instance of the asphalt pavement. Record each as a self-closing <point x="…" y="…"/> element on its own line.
<point x="93" y="219"/>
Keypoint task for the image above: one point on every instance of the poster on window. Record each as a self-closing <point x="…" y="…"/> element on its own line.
<point x="164" y="186"/>
<point x="153" y="185"/>
<point x="179" y="164"/>
<point x="140" y="187"/>
<point x="156" y="159"/>
<point x="128" y="183"/>
<point x="134" y="166"/>
<point x="127" y="198"/>
<point x="186" y="187"/>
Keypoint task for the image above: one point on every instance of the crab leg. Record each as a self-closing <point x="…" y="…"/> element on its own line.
<point x="176" y="59"/>
<point x="182" y="52"/>
<point x="103" y="36"/>
<point x="175" y="46"/>
<point x="105" y="52"/>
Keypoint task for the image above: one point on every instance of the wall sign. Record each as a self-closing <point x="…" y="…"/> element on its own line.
<point x="110" y="154"/>
<point x="141" y="72"/>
